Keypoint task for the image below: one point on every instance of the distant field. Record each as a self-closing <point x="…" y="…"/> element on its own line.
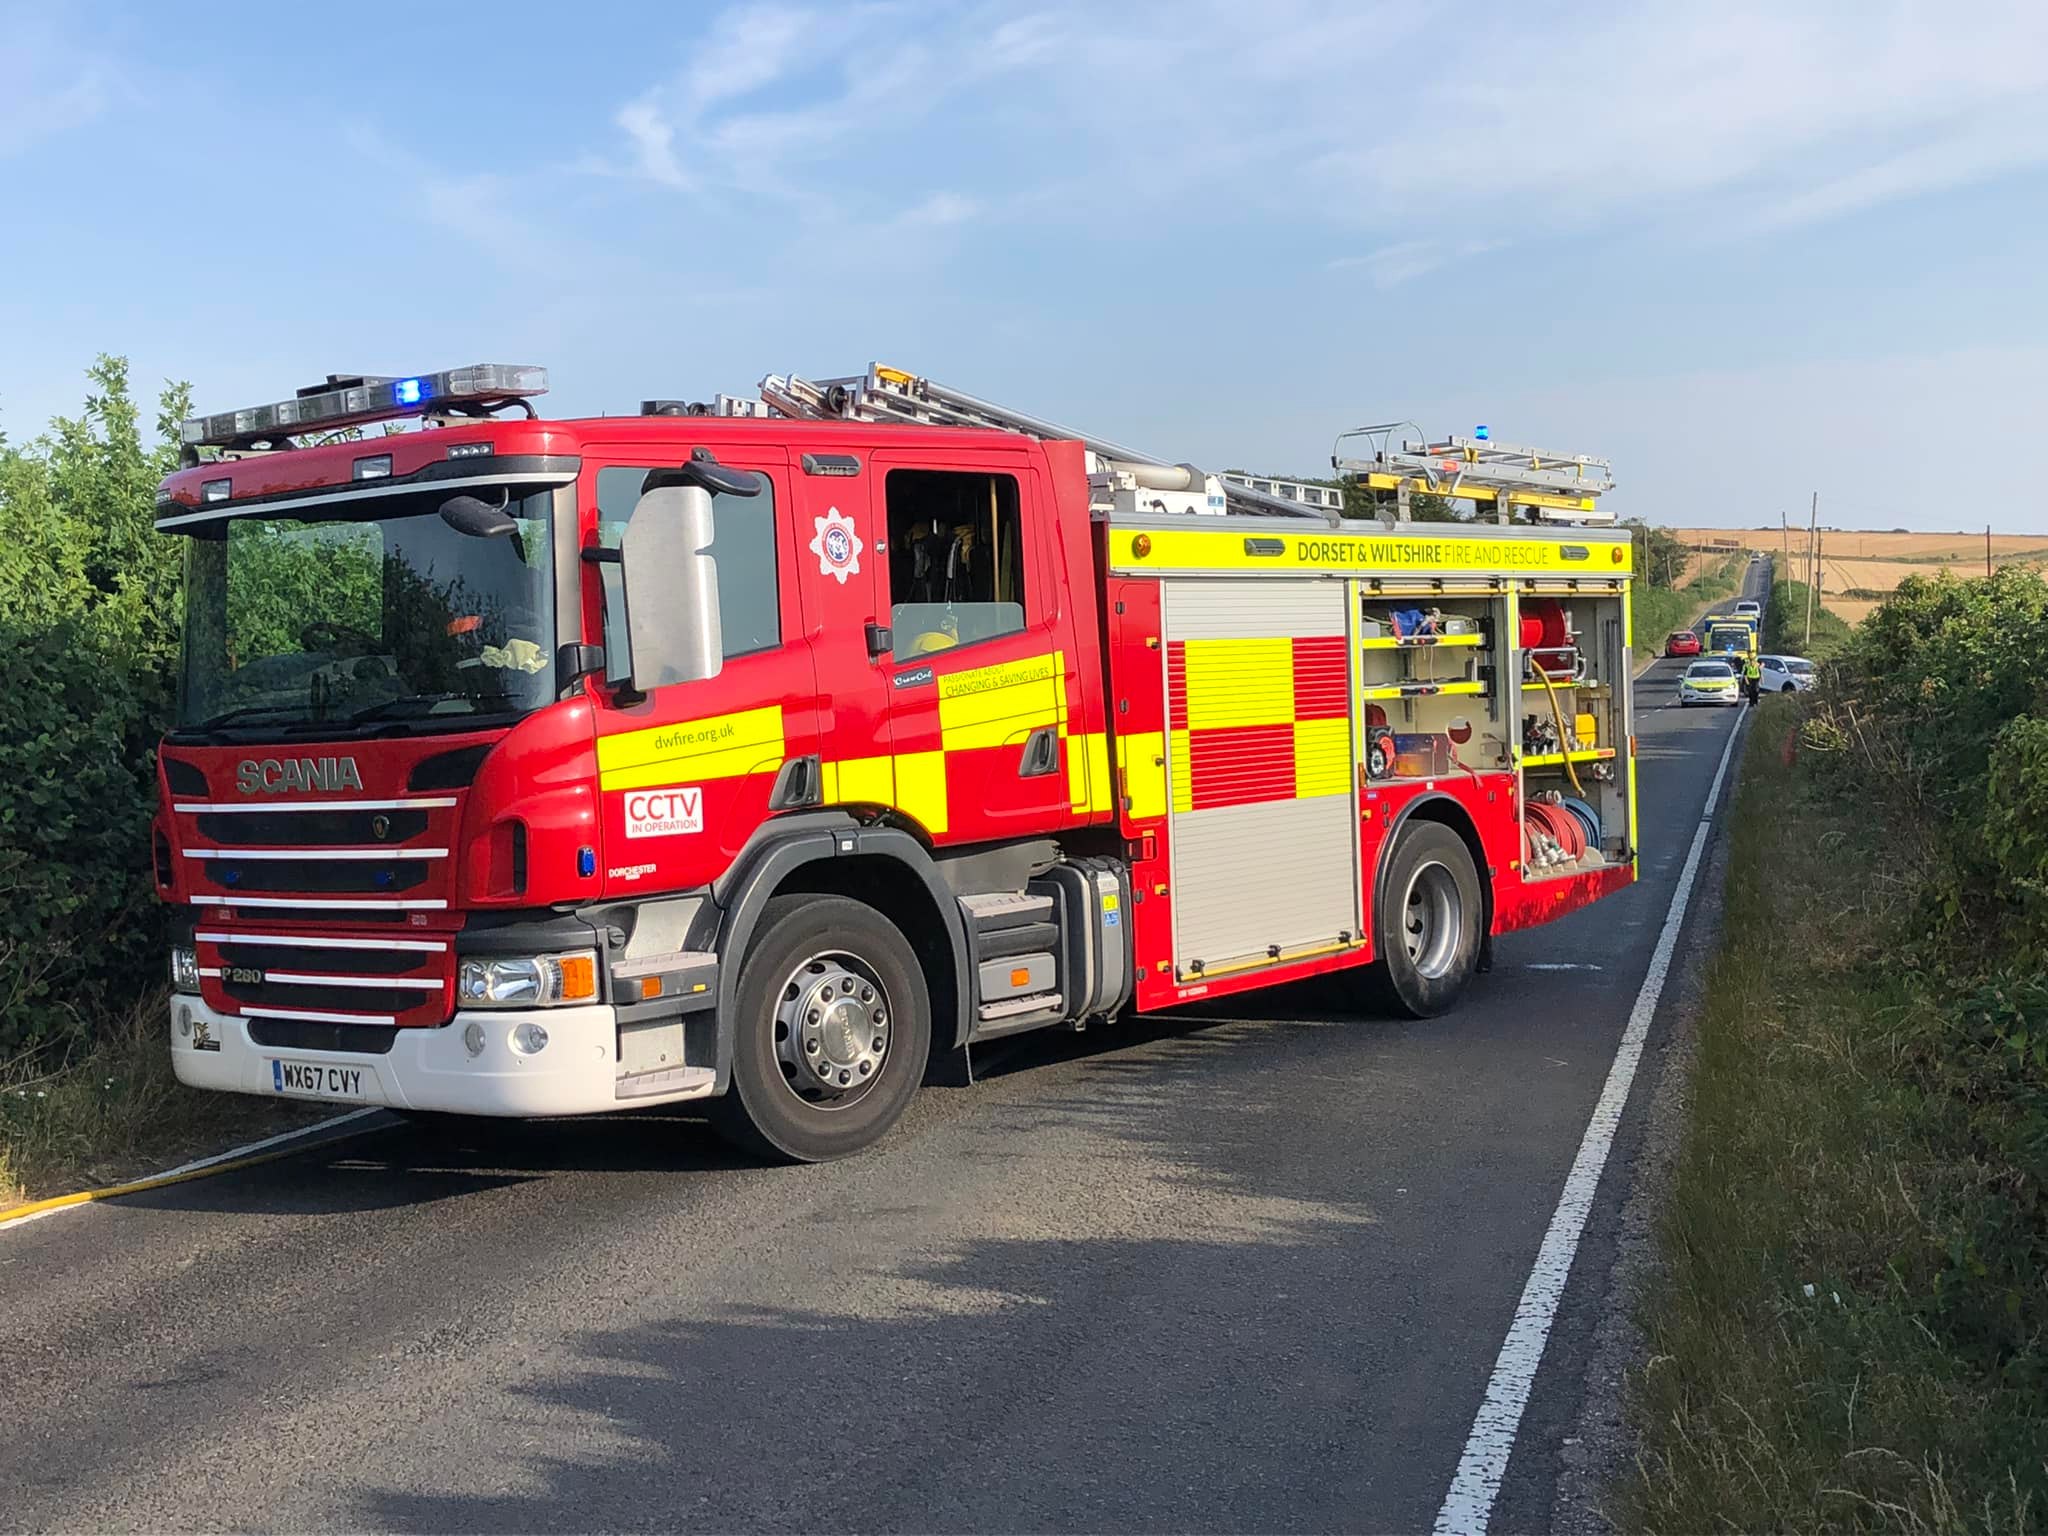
<point x="1878" y="562"/>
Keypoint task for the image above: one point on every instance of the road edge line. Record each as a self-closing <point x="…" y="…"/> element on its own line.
<point x="266" y="1150"/>
<point x="1468" y="1502"/>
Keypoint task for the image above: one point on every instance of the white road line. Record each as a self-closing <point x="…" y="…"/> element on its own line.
<point x="198" y="1165"/>
<point x="1468" y="1505"/>
<point x="268" y="1142"/>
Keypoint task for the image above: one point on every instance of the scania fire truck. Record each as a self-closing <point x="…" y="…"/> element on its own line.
<point x="772" y="752"/>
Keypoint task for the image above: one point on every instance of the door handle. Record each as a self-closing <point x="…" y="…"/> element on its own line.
<point x="796" y="785"/>
<point x="1041" y="754"/>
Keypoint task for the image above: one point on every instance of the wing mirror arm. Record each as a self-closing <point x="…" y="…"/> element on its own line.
<point x="661" y="618"/>
<point x="616" y="654"/>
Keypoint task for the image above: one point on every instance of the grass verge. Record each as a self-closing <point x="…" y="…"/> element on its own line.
<point x="1660" y="610"/>
<point x="114" y="1110"/>
<point x="1785" y="624"/>
<point x="1850" y="1331"/>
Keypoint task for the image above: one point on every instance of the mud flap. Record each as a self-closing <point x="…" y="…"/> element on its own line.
<point x="953" y="1069"/>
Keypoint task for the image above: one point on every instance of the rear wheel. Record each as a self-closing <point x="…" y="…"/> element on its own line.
<point x="1427" y="916"/>
<point x="833" y="1027"/>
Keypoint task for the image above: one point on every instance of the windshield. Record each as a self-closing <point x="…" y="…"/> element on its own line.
<point x="362" y="621"/>
<point x="1799" y="666"/>
<point x="1708" y="669"/>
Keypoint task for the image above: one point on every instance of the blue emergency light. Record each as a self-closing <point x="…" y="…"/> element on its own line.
<point x="348" y="402"/>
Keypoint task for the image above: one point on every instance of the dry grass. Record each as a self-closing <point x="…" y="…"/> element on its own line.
<point x="1875" y="563"/>
<point x="1961" y="548"/>
<point x="116" y="1111"/>
<point x="1804" y="1368"/>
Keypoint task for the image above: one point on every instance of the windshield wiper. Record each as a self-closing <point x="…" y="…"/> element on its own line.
<point x="396" y="709"/>
<point x="397" y="718"/>
<point x="245" y="712"/>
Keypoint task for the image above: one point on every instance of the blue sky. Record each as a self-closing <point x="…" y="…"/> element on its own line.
<point x="1746" y="251"/>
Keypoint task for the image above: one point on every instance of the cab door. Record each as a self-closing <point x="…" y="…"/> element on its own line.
<point x="975" y="670"/>
<point x="688" y="772"/>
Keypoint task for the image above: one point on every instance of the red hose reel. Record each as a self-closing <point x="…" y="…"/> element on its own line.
<point x="1556" y="823"/>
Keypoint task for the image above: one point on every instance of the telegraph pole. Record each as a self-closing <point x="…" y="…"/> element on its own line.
<point x="1812" y="565"/>
<point x="1987" y="550"/>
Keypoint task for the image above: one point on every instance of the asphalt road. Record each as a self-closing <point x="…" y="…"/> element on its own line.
<point x="1247" y="1268"/>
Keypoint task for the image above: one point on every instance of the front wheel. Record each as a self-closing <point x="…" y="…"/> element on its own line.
<point x="1427" y="916"/>
<point x="833" y="1027"/>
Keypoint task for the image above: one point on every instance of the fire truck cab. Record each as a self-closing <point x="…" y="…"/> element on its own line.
<point x="763" y="757"/>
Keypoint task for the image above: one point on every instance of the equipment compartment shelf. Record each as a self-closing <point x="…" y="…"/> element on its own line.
<point x="1557" y="759"/>
<point x="1421" y="689"/>
<point x="1416" y="642"/>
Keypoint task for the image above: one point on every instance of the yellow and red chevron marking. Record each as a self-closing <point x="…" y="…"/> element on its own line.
<point x="1258" y="720"/>
<point x="982" y="718"/>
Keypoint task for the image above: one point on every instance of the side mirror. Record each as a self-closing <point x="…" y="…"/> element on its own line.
<point x="478" y="519"/>
<point x="720" y="480"/>
<point x="670" y="588"/>
<point x="703" y="470"/>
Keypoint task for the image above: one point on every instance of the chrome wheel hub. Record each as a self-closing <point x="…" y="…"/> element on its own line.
<point x="1431" y="920"/>
<point x="832" y="1028"/>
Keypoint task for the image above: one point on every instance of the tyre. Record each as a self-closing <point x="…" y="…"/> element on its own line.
<point x="1427" y="914"/>
<point x="832" y="1030"/>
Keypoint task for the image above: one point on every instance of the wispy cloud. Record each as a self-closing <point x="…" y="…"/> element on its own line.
<point x="1783" y="112"/>
<point x="774" y="93"/>
<point x="1353" y="119"/>
<point x="1392" y="265"/>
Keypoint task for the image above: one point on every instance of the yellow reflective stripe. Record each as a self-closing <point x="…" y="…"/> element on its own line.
<point x="1144" y="776"/>
<point x="1239" y="682"/>
<point x="1183" y="773"/>
<point x="716" y="747"/>
<point x="1002" y="674"/>
<point x="1599" y="554"/>
<point x="1088" y="786"/>
<point x="921" y="788"/>
<point x="1322" y="758"/>
<point x="860" y="781"/>
<point x="1000" y="705"/>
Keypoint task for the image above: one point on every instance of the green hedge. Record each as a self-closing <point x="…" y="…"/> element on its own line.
<point x="88" y="626"/>
<point x="1785" y="624"/>
<point x="1945" y="688"/>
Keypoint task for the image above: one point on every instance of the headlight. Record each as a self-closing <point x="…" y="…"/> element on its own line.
<point x="184" y="968"/>
<point x="527" y="981"/>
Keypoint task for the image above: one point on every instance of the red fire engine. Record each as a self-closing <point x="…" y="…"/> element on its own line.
<point x="771" y="751"/>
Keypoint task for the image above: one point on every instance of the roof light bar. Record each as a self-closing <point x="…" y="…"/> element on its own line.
<point x="349" y="402"/>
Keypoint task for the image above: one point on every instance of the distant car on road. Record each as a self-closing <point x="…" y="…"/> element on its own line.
<point x="1783" y="674"/>
<point x="1709" y="682"/>
<point x="1682" y="642"/>
<point x="1750" y="606"/>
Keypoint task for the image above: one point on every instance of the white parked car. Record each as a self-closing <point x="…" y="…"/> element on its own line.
<point x="1750" y="606"/>
<point x="1783" y="674"/>
<point x="1709" y="682"/>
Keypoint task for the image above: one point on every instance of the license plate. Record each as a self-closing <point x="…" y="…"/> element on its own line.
<point x="316" y="1080"/>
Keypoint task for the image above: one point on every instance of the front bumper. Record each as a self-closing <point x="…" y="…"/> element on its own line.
<point x="1701" y="696"/>
<point x="428" y="1069"/>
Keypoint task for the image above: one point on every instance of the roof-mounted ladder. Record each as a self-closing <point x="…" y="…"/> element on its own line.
<point x="1120" y="475"/>
<point x="1554" y="487"/>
